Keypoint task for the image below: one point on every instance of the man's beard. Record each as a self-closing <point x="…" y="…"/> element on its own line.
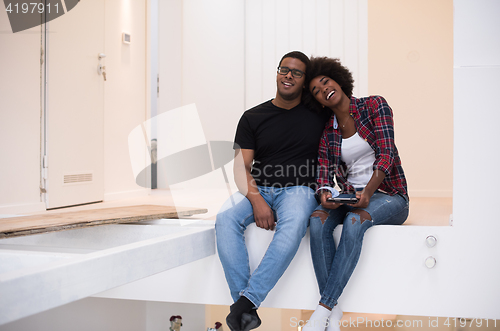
<point x="290" y="96"/>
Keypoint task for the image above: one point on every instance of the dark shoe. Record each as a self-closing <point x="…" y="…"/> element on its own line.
<point x="237" y="309"/>
<point x="233" y="323"/>
<point x="250" y="320"/>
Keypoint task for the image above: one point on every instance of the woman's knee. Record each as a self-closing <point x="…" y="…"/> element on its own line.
<point x="389" y="210"/>
<point x="363" y="216"/>
<point x="319" y="215"/>
<point x="355" y="225"/>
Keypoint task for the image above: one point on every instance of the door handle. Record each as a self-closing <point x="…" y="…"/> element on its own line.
<point x="101" y="70"/>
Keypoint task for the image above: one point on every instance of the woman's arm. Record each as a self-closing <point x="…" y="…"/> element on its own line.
<point x="383" y="128"/>
<point x="325" y="173"/>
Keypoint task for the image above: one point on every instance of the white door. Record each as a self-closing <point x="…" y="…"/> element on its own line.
<point x="75" y="107"/>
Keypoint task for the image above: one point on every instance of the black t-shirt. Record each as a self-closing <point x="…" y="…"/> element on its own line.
<point x="285" y="143"/>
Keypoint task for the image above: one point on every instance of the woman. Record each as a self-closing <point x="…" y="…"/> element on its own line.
<point x="357" y="149"/>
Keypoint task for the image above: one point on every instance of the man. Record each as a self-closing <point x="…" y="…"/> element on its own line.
<point x="275" y="174"/>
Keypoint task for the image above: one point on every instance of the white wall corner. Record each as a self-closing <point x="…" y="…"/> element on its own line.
<point x="20" y="209"/>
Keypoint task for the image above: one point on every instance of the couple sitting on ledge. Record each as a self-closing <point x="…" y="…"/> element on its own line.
<point x="314" y="122"/>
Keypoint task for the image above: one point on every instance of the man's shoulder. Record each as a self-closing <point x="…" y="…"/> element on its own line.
<point x="267" y="105"/>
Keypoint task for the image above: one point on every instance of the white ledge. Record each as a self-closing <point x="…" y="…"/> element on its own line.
<point x="58" y="268"/>
<point x="391" y="271"/>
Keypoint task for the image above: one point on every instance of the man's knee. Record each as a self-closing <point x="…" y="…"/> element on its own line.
<point x="294" y="226"/>
<point x="227" y="220"/>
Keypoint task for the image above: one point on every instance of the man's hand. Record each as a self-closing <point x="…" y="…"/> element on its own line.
<point x="328" y="204"/>
<point x="263" y="215"/>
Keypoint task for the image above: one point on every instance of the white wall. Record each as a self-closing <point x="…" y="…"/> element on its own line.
<point x="334" y="28"/>
<point x="20" y="109"/>
<point x="19" y="119"/>
<point x="223" y="55"/>
<point x="476" y="159"/>
<point x="125" y="94"/>
<point x="201" y="62"/>
<point x="212" y="63"/>
<point x="410" y="63"/>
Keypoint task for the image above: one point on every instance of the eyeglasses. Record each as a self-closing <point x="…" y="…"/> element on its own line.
<point x="295" y="72"/>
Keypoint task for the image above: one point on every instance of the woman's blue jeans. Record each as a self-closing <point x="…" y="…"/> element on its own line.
<point x="334" y="266"/>
<point x="292" y="207"/>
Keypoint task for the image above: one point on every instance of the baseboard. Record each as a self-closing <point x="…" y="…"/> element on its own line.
<point x="430" y="193"/>
<point x="20" y="209"/>
<point x="127" y="194"/>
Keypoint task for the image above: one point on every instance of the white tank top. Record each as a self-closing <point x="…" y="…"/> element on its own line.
<point x="359" y="158"/>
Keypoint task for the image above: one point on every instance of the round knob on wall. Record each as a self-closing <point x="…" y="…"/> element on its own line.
<point x="430" y="262"/>
<point x="430" y="241"/>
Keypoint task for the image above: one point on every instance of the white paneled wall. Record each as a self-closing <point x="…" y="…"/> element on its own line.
<point x="222" y="55"/>
<point x="334" y="28"/>
<point x="212" y="63"/>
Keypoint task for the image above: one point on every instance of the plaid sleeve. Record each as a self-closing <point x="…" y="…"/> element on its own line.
<point x="383" y="126"/>
<point x="323" y="172"/>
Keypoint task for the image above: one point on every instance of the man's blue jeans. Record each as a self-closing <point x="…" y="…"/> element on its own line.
<point x="292" y="207"/>
<point x="334" y="267"/>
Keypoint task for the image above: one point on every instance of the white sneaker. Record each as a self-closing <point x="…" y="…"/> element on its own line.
<point x="318" y="320"/>
<point x="334" y="319"/>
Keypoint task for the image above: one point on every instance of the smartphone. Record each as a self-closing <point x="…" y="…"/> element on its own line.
<point x="344" y="198"/>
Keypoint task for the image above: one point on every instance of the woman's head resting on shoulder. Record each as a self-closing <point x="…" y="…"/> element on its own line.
<point x="327" y="83"/>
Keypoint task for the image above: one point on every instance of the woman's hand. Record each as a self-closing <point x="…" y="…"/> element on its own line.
<point x="363" y="199"/>
<point x="365" y="195"/>
<point x="328" y="204"/>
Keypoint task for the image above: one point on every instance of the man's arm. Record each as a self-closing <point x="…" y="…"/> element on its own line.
<point x="262" y="213"/>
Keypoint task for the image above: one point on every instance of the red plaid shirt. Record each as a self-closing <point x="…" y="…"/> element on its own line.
<point x="374" y="123"/>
